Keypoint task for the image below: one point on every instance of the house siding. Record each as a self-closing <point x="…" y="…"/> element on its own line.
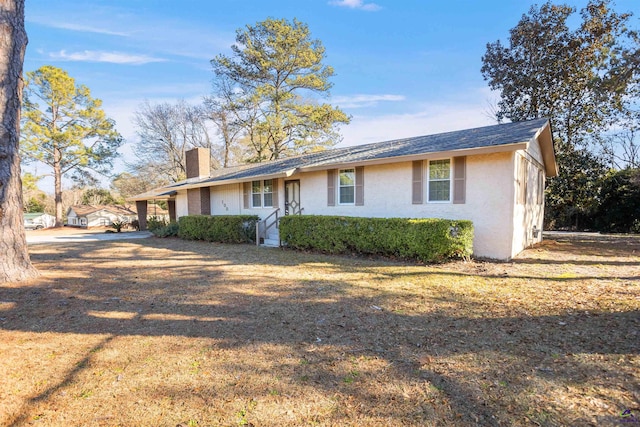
<point x="388" y="193"/>
<point x="388" y="190"/>
<point x="528" y="210"/>
<point x="491" y="184"/>
<point x="182" y="205"/>
<point x="101" y="218"/>
<point x="278" y="198"/>
<point x="226" y="199"/>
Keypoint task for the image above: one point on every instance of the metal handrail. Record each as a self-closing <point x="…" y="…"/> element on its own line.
<point x="266" y="227"/>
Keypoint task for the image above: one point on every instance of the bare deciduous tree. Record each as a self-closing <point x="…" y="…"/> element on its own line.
<point x="165" y="132"/>
<point x="623" y="149"/>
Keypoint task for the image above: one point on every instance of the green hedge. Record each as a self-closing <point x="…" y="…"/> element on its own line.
<point x="222" y="229"/>
<point x="427" y="240"/>
<point x="169" y="230"/>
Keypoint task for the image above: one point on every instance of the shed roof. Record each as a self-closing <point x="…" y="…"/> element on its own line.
<point x="84" y="210"/>
<point x="33" y="215"/>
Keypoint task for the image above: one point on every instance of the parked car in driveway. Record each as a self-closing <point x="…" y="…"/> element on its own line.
<point x="38" y="220"/>
<point x="32" y="226"/>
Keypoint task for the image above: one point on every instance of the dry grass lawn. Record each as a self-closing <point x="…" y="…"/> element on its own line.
<point x="164" y="332"/>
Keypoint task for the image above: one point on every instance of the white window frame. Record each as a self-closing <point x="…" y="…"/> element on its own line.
<point x="540" y="188"/>
<point x="262" y="193"/>
<point x="450" y="179"/>
<point x="340" y="186"/>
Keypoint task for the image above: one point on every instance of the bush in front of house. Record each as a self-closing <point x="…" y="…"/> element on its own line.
<point x="117" y="225"/>
<point x="222" y="229"/>
<point x="156" y="222"/>
<point x="427" y="240"/>
<point x="169" y="230"/>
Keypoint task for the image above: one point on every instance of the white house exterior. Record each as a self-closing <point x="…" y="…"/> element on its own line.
<point x="98" y="216"/>
<point x="35" y="221"/>
<point x="493" y="176"/>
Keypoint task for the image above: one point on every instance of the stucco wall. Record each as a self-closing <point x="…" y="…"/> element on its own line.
<point x="534" y="150"/>
<point x="531" y="213"/>
<point x="490" y="195"/>
<point x="226" y="199"/>
<point x="387" y="193"/>
<point x="264" y="212"/>
<point x="182" y="205"/>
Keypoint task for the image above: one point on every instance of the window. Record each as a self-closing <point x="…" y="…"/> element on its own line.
<point x="439" y="181"/>
<point x="256" y="194"/>
<point x="540" y="192"/>
<point x="347" y="188"/>
<point x="262" y="193"/>
<point x="522" y="181"/>
<point x="267" y="193"/>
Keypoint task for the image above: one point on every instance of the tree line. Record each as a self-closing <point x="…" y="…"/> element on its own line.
<point x="266" y="104"/>
<point x="586" y="80"/>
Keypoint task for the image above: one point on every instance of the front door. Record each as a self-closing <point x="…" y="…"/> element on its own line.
<point x="292" y="197"/>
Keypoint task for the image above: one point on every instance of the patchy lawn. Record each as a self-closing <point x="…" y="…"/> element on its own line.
<point x="166" y="332"/>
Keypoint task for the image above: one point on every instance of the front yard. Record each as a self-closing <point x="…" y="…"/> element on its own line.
<point x="165" y="332"/>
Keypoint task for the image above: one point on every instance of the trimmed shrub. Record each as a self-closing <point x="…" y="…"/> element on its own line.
<point x="156" y="222"/>
<point x="170" y="230"/>
<point x="222" y="229"/>
<point x="428" y="240"/>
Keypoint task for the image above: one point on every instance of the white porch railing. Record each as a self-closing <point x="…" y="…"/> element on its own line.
<point x="263" y="226"/>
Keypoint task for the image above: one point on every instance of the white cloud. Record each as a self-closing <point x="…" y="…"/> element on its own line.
<point x="82" y="28"/>
<point x="162" y="35"/>
<point x="100" y="56"/>
<point x="356" y="4"/>
<point x="364" y="100"/>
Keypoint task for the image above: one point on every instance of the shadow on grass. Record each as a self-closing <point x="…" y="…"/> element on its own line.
<point x="243" y="307"/>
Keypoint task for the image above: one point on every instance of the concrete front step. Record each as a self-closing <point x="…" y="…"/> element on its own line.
<point x="272" y="243"/>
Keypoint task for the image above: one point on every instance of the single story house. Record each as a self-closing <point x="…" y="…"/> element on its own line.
<point x="493" y="176"/>
<point x="38" y="220"/>
<point x="99" y="215"/>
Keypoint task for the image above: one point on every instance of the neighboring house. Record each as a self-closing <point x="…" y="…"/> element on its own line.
<point x="155" y="211"/>
<point x="38" y="220"/>
<point x="99" y="215"/>
<point x="493" y="176"/>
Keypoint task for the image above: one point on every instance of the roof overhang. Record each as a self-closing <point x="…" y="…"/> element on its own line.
<point x="169" y="192"/>
<point x="543" y="135"/>
<point x="423" y="156"/>
<point x="545" y="139"/>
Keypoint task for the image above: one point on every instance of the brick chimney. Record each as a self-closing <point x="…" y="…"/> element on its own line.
<point x="198" y="164"/>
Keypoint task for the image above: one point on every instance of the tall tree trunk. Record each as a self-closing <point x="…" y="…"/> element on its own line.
<point x="14" y="258"/>
<point x="57" y="190"/>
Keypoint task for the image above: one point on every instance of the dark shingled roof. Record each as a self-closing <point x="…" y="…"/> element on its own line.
<point x="484" y="137"/>
<point x="489" y="136"/>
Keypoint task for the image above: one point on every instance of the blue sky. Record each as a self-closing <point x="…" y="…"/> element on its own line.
<point x="403" y="67"/>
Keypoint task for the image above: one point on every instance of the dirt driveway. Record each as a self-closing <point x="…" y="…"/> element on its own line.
<point x="165" y="332"/>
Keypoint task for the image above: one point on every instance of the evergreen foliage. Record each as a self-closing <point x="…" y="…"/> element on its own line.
<point x="427" y="240"/>
<point x="221" y="229"/>
<point x="65" y="128"/>
<point x="584" y="79"/>
<point x="619" y="209"/>
<point x="266" y="83"/>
